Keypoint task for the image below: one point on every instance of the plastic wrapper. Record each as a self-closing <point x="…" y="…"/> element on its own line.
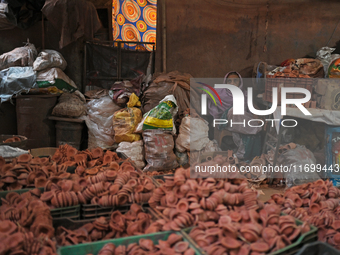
<point x="212" y="146"/>
<point x="135" y="151"/>
<point x="310" y="66"/>
<point x="324" y="55"/>
<point x="70" y="105"/>
<point x="182" y="158"/>
<point x="124" y="124"/>
<point x="4" y="22"/>
<point x="16" y="80"/>
<point x="159" y="150"/>
<point x="334" y="67"/>
<point x="99" y="122"/>
<point x="193" y="132"/>
<point x="21" y="56"/>
<point x="160" y="117"/>
<point x="57" y="78"/>
<point x="11" y="152"/>
<point x="48" y="59"/>
<point x="300" y="160"/>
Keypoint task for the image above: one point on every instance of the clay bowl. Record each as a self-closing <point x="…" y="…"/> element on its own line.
<point x="268" y="234"/>
<point x="174" y="238"/>
<point x="260" y="247"/>
<point x="314" y="208"/>
<point x="231" y="243"/>
<point x="24" y="158"/>
<point x="7" y="227"/>
<point x="181" y="247"/>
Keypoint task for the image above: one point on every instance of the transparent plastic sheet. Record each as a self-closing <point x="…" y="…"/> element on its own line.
<point x="299" y="160"/>
<point x="99" y="122"/>
<point x="182" y="158"/>
<point x="135" y="151"/>
<point x="15" y="80"/>
<point x="194" y="132"/>
<point x="212" y="146"/>
<point x="11" y="152"/>
<point x="21" y="56"/>
<point x="159" y="150"/>
<point x="324" y="55"/>
<point x="48" y="59"/>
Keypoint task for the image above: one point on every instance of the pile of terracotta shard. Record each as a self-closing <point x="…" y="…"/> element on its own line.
<point x="186" y="202"/>
<point x="248" y="231"/>
<point x="173" y="245"/>
<point x="133" y="222"/>
<point x="316" y="203"/>
<point x="26" y="225"/>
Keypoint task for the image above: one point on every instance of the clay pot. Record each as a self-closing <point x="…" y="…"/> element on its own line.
<point x="182" y="205"/>
<point x="314" y="208"/>
<point x="24" y="158"/>
<point x="259" y="247"/>
<point x="7" y="227"/>
<point x="181" y="247"/>
<point x="174" y="238"/>
<point x="231" y="243"/>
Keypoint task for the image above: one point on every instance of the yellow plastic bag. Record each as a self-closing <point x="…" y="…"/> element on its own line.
<point x="124" y="124"/>
<point x="133" y="101"/>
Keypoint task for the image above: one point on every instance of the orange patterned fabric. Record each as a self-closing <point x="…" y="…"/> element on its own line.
<point x="134" y="20"/>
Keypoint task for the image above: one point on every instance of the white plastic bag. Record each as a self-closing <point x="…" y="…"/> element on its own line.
<point x="48" y="59"/>
<point x="21" y="56"/>
<point x="300" y="161"/>
<point x="99" y="122"/>
<point x="55" y="77"/>
<point x="212" y="146"/>
<point x="193" y="132"/>
<point x="134" y="151"/>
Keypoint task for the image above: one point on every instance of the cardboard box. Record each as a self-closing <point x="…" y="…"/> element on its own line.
<point x="43" y="152"/>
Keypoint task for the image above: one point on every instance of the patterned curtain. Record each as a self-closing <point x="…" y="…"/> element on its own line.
<point x="134" y="20"/>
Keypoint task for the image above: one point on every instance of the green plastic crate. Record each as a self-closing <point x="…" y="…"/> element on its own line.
<point x="95" y="247"/>
<point x="72" y="212"/>
<point x="3" y="194"/>
<point x="306" y="238"/>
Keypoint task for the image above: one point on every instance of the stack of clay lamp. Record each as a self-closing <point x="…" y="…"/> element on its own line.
<point x="133" y="222"/>
<point x="248" y="232"/>
<point x="26" y="171"/>
<point x="109" y="184"/>
<point x="173" y="245"/>
<point x="185" y="202"/>
<point x="25" y="225"/>
<point x="100" y="178"/>
<point x="316" y="203"/>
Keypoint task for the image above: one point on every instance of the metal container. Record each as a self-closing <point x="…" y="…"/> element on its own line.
<point x="69" y="133"/>
<point x="20" y="144"/>
<point x="32" y="120"/>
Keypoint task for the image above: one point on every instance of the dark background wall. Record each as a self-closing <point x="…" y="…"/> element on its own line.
<point x="208" y="38"/>
<point x="72" y="53"/>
